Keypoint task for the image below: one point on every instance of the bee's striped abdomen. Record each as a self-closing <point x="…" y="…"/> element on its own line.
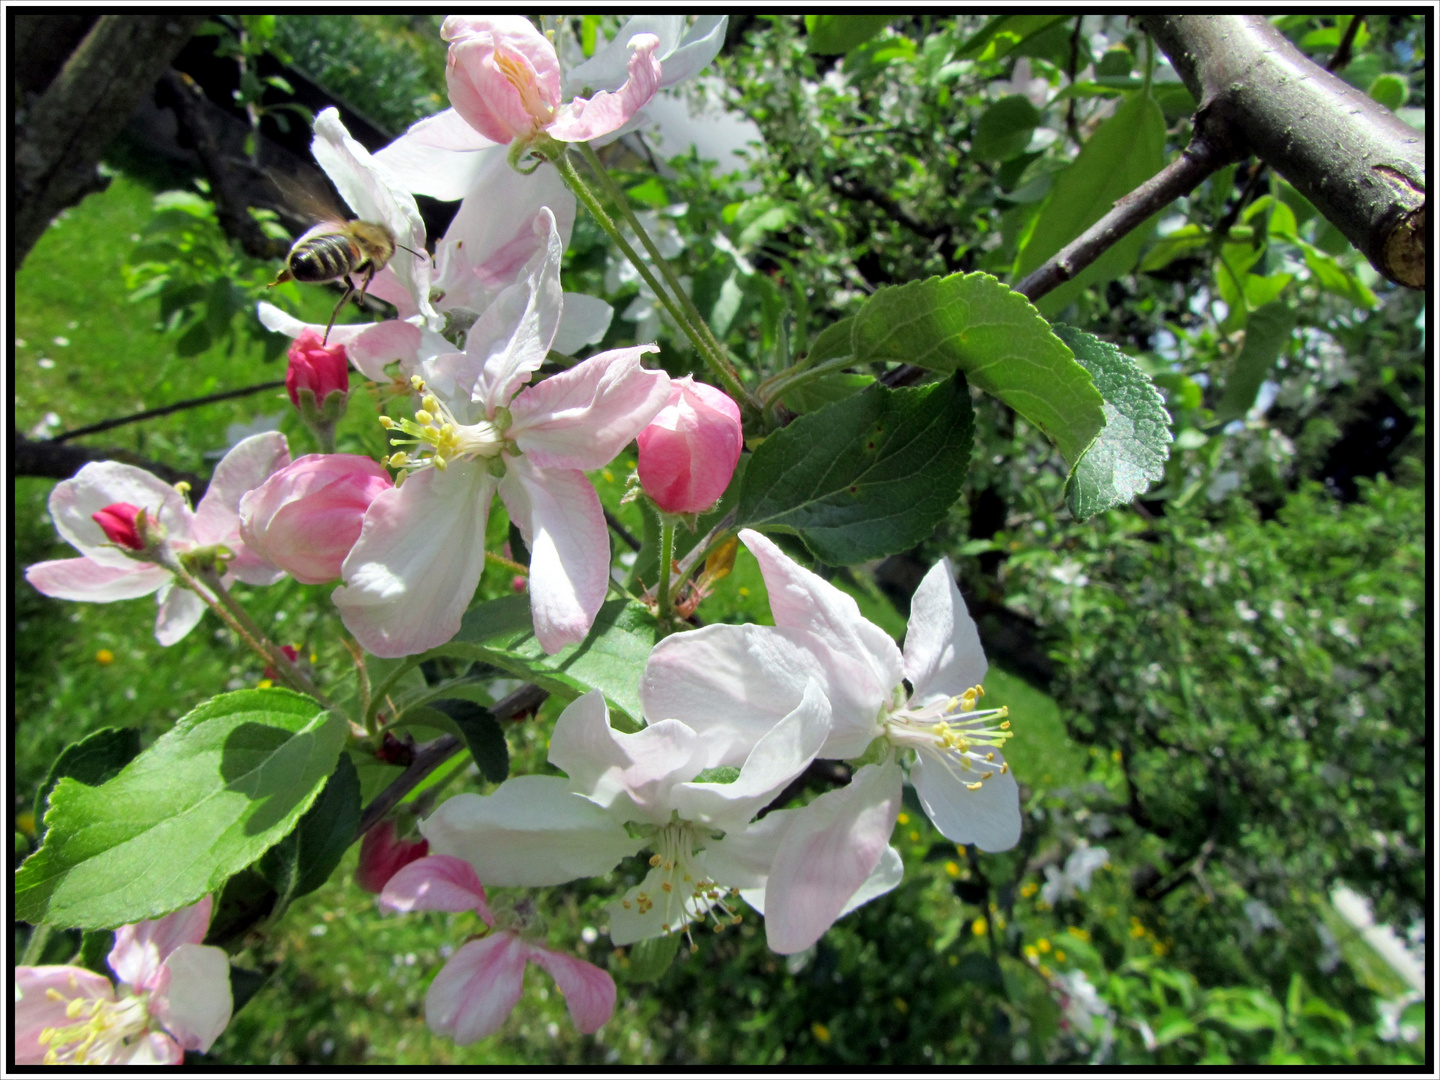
<point x="324" y="258"/>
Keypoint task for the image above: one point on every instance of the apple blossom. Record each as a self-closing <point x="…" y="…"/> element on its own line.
<point x="689" y="451"/>
<point x="731" y="682"/>
<point x="307" y="516"/>
<point x="480" y="432"/>
<point x="108" y="572"/>
<point x="175" y="997"/>
<point x="480" y="984"/>
<point x="124" y="525"/>
<point x="647" y="789"/>
<point x="504" y="81"/>
<point x="316" y="369"/>
<point x="383" y="855"/>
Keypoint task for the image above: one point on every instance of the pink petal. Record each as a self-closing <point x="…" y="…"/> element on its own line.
<point x="101" y="484"/>
<point x="943" y="657"/>
<point x="583" y="417"/>
<point x="514" y="32"/>
<point x="589" y="991"/>
<point x="482" y="93"/>
<point x="141" y="948"/>
<point x="194" y="1001"/>
<point x="436" y="883"/>
<point x="581" y="120"/>
<point x="35" y="1010"/>
<point x="477" y="989"/>
<point x="559" y="515"/>
<point x="412" y="573"/>
<point x="85" y="579"/>
<point x="830" y="849"/>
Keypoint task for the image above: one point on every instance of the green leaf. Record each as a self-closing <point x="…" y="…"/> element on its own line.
<point x="1266" y="333"/>
<point x="973" y="323"/>
<point x="1004" y="32"/>
<point x="93" y="760"/>
<point x="246" y="899"/>
<point x="306" y="858"/>
<point x="864" y="477"/>
<point x="831" y="35"/>
<point x="824" y="390"/>
<point x="500" y="632"/>
<point x="203" y="802"/>
<point x="244" y="985"/>
<point x="831" y="343"/>
<point x="1390" y="90"/>
<point x="1130" y="452"/>
<point x="1125" y="151"/>
<point x="482" y="734"/>
<point x="651" y="958"/>
<point x="1004" y="129"/>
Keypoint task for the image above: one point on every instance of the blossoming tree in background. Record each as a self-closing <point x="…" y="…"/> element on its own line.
<point x="683" y="743"/>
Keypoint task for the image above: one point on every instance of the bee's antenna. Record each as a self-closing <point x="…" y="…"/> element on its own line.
<point x="417" y="254"/>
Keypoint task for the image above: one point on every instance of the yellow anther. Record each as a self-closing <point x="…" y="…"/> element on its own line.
<point x="975" y="786"/>
<point x="424" y="417"/>
<point x="990" y="756"/>
<point x="667" y="886"/>
<point x="387" y="423"/>
<point x="417" y="382"/>
<point x="1005" y="725"/>
<point x="398" y="459"/>
<point x="1004" y="767"/>
<point x="440" y="463"/>
<point x="986" y="776"/>
<point x="655" y="860"/>
<point x="431" y="402"/>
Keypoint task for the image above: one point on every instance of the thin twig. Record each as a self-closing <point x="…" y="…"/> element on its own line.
<point x="165" y="410"/>
<point x="431" y="755"/>
<point x="623" y="533"/>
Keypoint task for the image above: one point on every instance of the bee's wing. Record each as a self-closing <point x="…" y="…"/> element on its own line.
<point x="307" y="195"/>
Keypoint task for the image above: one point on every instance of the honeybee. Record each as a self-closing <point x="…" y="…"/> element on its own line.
<point x="336" y="248"/>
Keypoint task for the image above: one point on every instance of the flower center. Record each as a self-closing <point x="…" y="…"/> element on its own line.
<point x="687" y="894"/>
<point x="103" y="1031"/>
<point x="438" y="438"/>
<point x="954" y="731"/>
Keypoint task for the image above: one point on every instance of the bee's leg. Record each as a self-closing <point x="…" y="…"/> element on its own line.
<point x="369" y="277"/>
<point x="349" y="288"/>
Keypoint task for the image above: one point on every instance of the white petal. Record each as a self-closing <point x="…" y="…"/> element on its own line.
<point x="779" y="756"/>
<point x="180" y="610"/>
<point x="828" y="853"/>
<point x="671" y="910"/>
<point x="630" y="773"/>
<point x="608" y="68"/>
<point x="988" y="816"/>
<point x="441" y="156"/>
<point x="532" y="831"/>
<point x="732" y="684"/>
<point x="413" y="571"/>
<point x="943" y="657"/>
<point x="806" y="601"/>
<point x="376" y="196"/>
<point x="583" y="321"/>
<point x="196" y="1005"/>
<point x="742" y="859"/>
<point x="887" y="874"/>
<point x="512" y="338"/>
<point x="217" y="519"/>
<point x="559" y="516"/>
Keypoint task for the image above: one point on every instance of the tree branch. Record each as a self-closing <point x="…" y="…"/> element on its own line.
<point x="1360" y="165"/>
<point x="165" y="410"/>
<point x="60" y="462"/>
<point x="62" y="135"/>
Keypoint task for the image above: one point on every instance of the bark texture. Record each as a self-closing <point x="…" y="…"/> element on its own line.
<point x="1355" y="160"/>
<point x="61" y="133"/>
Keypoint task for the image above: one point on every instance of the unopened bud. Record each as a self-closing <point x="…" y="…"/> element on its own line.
<point x="123" y="525"/>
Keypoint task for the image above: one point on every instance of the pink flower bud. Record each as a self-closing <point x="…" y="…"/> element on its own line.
<point x="689" y="451"/>
<point x="307" y="517"/>
<point x="316" y="367"/>
<point x="382" y="855"/>
<point x="291" y="653"/>
<point x="119" y="523"/>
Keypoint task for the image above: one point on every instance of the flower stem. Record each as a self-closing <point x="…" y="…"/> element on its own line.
<point x="716" y="352"/>
<point x="662" y="587"/>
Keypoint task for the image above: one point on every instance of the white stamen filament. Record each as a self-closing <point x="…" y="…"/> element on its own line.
<point x="439" y="438"/>
<point x="954" y="732"/>
<point x="687" y="895"/>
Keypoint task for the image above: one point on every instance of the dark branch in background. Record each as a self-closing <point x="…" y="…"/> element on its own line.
<point x="61" y="134"/>
<point x="187" y="101"/>
<point x="619" y="530"/>
<point x="431" y="755"/>
<point x="165" y="410"/>
<point x="56" y="461"/>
